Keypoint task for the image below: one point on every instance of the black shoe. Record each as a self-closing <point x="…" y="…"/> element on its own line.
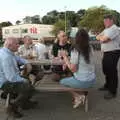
<point x="17" y="115"/>
<point x="4" y="95"/>
<point x="109" y="96"/>
<point x="29" y="105"/>
<point x="103" y="89"/>
<point x="12" y="110"/>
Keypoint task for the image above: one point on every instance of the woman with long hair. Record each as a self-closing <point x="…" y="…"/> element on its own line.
<point x="81" y="65"/>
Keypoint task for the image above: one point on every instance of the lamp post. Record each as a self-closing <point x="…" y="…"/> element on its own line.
<point x="20" y="32"/>
<point x="65" y="20"/>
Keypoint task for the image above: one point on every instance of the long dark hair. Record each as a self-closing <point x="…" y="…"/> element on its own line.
<point x="82" y="44"/>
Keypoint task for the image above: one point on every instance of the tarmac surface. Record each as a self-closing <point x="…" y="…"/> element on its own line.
<point x="57" y="105"/>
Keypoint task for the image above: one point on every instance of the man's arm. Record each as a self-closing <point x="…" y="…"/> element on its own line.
<point x="11" y="71"/>
<point x="103" y="38"/>
<point x="21" y="61"/>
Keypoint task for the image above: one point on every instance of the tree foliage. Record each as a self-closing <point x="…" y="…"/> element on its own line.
<point x="35" y="19"/>
<point x="60" y="25"/>
<point x="18" y="22"/>
<point x="4" y="24"/>
<point x="48" y="20"/>
<point x="116" y="16"/>
<point x="70" y="16"/>
<point x="32" y="19"/>
<point x="93" y="18"/>
<point x="51" y="17"/>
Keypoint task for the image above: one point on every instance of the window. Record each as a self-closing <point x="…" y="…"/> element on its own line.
<point x="7" y="31"/>
<point x="15" y="30"/>
<point x="24" y="30"/>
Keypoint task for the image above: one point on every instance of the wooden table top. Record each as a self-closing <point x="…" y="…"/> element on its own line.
<point x="45" y="62"/>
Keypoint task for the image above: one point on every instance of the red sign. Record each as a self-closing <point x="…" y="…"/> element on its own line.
<point x="33" y="30"/>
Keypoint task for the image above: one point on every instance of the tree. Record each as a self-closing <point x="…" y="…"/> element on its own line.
<point x="35" y="19"/>
<point x="116" y="16"/>
<point x="93" y="18"/>
<point x="48" y="20"/>
<point x="79" y="15"/>
<point x="18" y="22"/>
<point x="54" y="16"/>
<point x="27" y="20"/>
<point x="4" y="24"/>
<point x="53" y="13"/>
<point x="60" y="25"/>
<point x="81" y="12"/>
<point x="71" y="17"/>
<point x="32" y="19"/>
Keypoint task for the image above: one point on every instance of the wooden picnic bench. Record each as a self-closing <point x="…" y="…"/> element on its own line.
<point x="51" y="86"/>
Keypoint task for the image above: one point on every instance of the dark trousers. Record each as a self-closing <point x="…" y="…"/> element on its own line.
<point x="23" y="90"/>
<point x="109" y="65"/>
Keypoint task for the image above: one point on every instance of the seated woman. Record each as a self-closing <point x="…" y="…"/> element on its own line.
<point x="81" y="64"/>
<point x="60" y="45"/>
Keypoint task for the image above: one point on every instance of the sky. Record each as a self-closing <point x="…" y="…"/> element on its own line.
<point x="13" y="10"/>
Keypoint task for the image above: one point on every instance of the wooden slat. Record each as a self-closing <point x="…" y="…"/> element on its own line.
<point x="57" y="88"/>
<point x="45" y="62"/>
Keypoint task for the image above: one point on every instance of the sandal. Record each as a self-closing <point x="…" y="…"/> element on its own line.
<point x="79" y="100"/>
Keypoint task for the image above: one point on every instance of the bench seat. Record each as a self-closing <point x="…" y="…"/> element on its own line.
<point x="56" y="87"/>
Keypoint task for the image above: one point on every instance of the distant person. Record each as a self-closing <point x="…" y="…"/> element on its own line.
<point x="10" y="78"/>
<point x="43" y="53"/>
<point x="60" y="45"/>
<point x="41" y="48"/>
<point x="81" y="64"/>
<point x="110" y="45"/>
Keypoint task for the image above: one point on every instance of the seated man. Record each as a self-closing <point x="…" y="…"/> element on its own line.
<point x="10" y="79"/>
<point x="29" y="51"/>
<point x="23" y="65"/>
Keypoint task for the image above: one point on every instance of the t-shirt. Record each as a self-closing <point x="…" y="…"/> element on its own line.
<point x="57" y="47"/>
<point x="113" y="33"/>
<point x="26" y="51"/>
<point x="86" y="71"/>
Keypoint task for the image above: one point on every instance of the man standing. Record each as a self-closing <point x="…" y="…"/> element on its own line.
<point x="110" y="45"/>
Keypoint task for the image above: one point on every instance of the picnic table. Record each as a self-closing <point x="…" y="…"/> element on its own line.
<point x="52" y="86"/>
<point x="45" y="62"/>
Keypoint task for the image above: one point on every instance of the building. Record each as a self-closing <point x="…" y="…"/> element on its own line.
<point x="36" y="31"/>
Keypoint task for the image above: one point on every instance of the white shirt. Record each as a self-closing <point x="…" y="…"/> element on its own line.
<point x="41" y="49"/>
<point x="113" y="33"/>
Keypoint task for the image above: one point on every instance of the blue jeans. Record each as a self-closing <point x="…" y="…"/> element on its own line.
<point x="74" y="83"/>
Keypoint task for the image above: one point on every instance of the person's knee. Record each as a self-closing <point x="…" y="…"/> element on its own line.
<point x="28" y="68"/>
<point x="63" y="82"/>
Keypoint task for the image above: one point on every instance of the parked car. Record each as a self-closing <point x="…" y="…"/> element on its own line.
<point x="95" y="43"/>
